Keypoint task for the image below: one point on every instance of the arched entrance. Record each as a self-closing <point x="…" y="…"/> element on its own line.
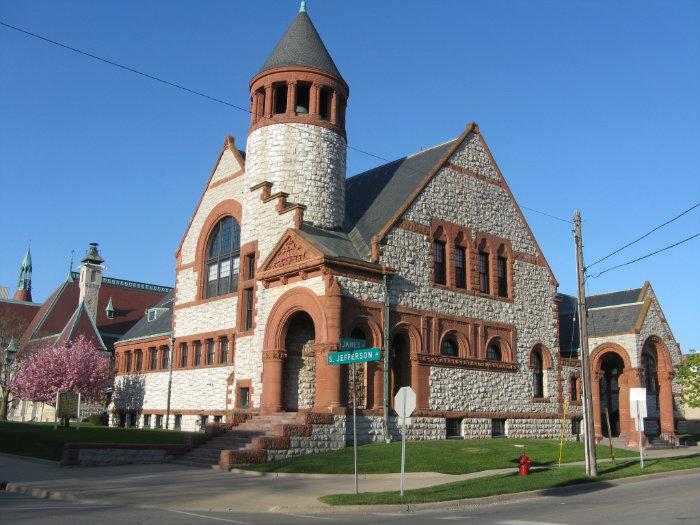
<point x="611" y="369"/>
<point x="299" y="367"/>
<point x="400" y="362"/>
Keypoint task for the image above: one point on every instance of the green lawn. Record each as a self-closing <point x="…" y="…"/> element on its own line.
<point x="448" y="457"/>
<point x="511" y="483"/>
<point x="41" y="441"/>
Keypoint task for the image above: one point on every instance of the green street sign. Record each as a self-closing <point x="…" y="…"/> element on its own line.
<point x="361" y="355"/>
<point x="349" y="343"/>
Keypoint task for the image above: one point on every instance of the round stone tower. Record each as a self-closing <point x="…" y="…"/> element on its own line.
<point x="297" y="137"/>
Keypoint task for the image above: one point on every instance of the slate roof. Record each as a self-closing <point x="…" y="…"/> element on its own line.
<point x="372" y="198"/>
<point x="608" y="314"/>
<point x="332" y="243"/>
<point x="302" y="46"/>
<point x="129" y="298"/>
<point x="163" y="324"/>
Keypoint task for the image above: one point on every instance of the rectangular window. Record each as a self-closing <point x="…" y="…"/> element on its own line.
<point x="153" y="358"/>
<point x="250" y="266"/>
<point x="453" y="427"/>
<point x="324" y="103"/>
<point x="244" y="397"/>
<point x="223" y="355"/>
<point x="248" y="309"/>
<point x="197" y="353"/>
<point x="575" y="427"/>
<point x="178" y="422"/>
<point x="128" y="362"/>
<point x="164" y="357"/>
<point x="203" y="421"/>
<point x="122" y="420"/>
<point x="211" y="351"/>
<point x="217" y="419"/>
<point x="303" y="97"/>
<point x="484" y="272"/>
<point x="159" y="421"/>
<point x="439" y="275"/>
<point x="460" y="267"/>
<point x="183" y="355"/>
<point x="212" y="279"/>
<point x="502" y="277"/>
<point x="224" y="276"/>
<point x="146" y="421"/>
<point x="573" y="385"/>
<point x="139" y="360"/>
<point x="498" y="427"/>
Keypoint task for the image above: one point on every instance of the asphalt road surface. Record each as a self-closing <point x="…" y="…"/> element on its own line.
<point x="672" y="500"/>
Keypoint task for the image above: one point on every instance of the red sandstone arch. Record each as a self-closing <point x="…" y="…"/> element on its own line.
<point x="462" y="342"/>
<point x="546" y="356"/>
<point x="506" y="350"/>
<point x="665" y="374"/>
<point x="293" y="301"/>
<point x="225" y="208"/>
<point x="369" y="327"/>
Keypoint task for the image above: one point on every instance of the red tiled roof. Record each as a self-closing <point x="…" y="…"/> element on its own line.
<point x="22" y="312"/>
<point x="80" y="324"/>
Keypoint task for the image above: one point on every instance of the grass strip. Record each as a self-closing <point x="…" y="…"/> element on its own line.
<point x="42" y="441"/>
<point x="447" y="457"/>
<point x="512" y="483"/>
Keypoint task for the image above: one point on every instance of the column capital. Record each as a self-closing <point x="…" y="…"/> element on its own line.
<point x="274" y="354"/>
<point x="325" y="348"/>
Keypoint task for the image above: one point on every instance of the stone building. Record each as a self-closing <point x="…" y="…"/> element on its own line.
<point x="284" y="255"/>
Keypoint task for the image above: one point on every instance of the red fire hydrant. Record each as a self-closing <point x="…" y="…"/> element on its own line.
<point x="524" y="465"/>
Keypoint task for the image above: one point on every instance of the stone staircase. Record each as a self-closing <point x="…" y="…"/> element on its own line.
<point x="239" y="437"/>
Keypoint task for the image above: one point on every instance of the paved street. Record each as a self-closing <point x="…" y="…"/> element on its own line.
<point x="662" y="501"/>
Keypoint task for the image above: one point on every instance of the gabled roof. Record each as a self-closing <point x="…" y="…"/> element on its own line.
<point x="613" y="313"/>
<point x="81" y="324"/>
<point x="301" y="46"/>
<point x="162" y="325"/>
<point x="374" y="197"/>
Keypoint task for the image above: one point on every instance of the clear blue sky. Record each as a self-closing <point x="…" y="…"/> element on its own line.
<point x="588" y="105"/>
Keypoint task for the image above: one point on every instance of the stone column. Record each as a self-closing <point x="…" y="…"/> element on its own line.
<point x="666" y="403"/>
<point x="334" y="107"/>
<point x="376" y="370"/>
<point x="314" y="97"/>
<point x="291" y="98"/>
<point x="629" y="379"/>
<point x="268" y="101"/>
<point x="328" y="380"/>
<point x="273" y="381"/>
<point x="597" y="409"/>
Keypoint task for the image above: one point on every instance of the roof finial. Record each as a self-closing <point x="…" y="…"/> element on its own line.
<point x="302" y="7"/>
<point x="70" y="263"/>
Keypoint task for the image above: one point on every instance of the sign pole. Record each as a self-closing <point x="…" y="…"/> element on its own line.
<point x="354" y="425"/>
<point x="607" y="419"/>
<point x="55" y="415"/>
<point x="78" y="424"/>
<point x="403" y="441"/>
<point x="639" y="431"/>
<point x="563" y="430"/>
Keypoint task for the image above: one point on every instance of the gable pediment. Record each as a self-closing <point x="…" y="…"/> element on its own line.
<point x="291" y="254"/>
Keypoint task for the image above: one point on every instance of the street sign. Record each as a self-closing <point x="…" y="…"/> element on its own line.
<point x="405" y="402"/>
<point x="638" y="408"/>
<point x="350" y="343"/>
<point x="354" y="356"/>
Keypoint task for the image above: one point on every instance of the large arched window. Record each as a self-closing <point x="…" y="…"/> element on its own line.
<point x="223" y="255"/>
<point x="537" y="373"/>
<point x="493" y="351"/>
<point x="650" y="373"/>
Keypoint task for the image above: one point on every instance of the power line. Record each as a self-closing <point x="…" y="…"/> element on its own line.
<point x="208" y="97"/>
<point x="644" y="236"/>
<point x="645" y="256"/>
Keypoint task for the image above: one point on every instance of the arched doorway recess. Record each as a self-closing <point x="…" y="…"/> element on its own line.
<point x="611" y="370"/>
<point x="299" y="368"/>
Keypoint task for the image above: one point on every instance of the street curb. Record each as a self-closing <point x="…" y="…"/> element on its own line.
<point x="489" y="500"/>
<point x="30" y="458"/>
<point x="37" y="492"/>
<point x="387" y="475"/>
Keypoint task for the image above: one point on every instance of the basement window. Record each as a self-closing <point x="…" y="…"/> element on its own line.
<point x="244" y="397"/>
<point x="159" y="421"/>
<point x="575" y="427"/>
<point x="498" y="428"/>
<point x="453" y="427"/>
<point x="178" y="422"/>
<point x="146" y="421"/>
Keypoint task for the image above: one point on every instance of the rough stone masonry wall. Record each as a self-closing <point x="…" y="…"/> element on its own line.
<point x="306" y="161"/>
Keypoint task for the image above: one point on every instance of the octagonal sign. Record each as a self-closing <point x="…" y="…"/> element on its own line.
<point x="405" y="402"/>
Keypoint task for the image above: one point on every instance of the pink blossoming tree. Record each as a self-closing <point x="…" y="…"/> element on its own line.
<point x="80" y="369"/>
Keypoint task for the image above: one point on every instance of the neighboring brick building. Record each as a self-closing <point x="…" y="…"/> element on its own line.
<point x="86" y="303"/>
<point x="284" y="255"/>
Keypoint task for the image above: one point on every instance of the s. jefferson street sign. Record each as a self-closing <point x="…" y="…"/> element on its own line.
<point x="353" y="351"/>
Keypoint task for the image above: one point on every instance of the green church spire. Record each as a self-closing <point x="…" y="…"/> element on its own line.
<point x="24" y="282"/>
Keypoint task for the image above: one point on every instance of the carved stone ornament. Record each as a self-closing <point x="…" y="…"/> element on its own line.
<point x="275" y="354"/>
<point x="289" y="253"/>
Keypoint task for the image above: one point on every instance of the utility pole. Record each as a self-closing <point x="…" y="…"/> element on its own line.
<point x="591" y="465"/>
<point x="387" y="354"/>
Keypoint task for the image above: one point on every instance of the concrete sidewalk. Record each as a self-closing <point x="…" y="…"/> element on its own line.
<point x="186" y="488"/>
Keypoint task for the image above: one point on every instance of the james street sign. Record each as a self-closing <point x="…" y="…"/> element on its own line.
<point x="354" y="352"/>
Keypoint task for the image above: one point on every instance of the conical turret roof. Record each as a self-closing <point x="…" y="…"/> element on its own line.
<point x="301" y="46"/>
